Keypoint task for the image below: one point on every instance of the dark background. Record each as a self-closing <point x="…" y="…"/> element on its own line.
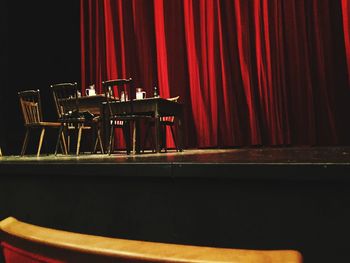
<point x="40" y="46"/>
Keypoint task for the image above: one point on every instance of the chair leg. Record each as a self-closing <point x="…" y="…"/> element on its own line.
<point x="79" y="139"/>
<point x="126" y="129"/>
<point x="148" y="132"/>
<point x="134" y="137"/>
<point x="60" y="132"/>
<point x="63" y="137"/>
<point x="100" y="140"/>
<point x="146" y="137"/>
<point x="68" y="140"/>
<point x="94" y="139"/>
<point x="111" y="139"/>
<point x="42" y="134"/>
<point x="164" y="138"/>
<point x="25" y="142"/>
<point x="113" y="142"/>
<point x="174" y="138"/>
<point x="0" y="152"/>
<point x="94" y="150"/>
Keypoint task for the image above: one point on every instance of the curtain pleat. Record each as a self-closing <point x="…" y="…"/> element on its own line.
<point x="346" y="24"/>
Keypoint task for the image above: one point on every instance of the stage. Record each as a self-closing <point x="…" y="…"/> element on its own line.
<point x="258" y="198"/>
<point x="243" y="163"/>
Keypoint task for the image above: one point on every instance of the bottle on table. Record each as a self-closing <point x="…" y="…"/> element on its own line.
<point x="155" y="92"/>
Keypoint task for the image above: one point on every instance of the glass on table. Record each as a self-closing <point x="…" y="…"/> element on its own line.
<point x="90" y="91"/>
<point x="140" y="94"/>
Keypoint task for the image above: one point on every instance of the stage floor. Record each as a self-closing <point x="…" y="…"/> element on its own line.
<point x="288" y="163"/>
<point x="282" y="155"/>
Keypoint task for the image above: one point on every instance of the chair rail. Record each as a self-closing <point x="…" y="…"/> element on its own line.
<point x="140" y="251"/>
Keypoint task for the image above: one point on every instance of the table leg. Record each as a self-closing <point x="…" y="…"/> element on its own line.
<point x="105" y="125"/>
<point x="138" y="137"/>
<point x="157" y="133"/>
<point x="180" y="122"/>
<point x="134" y="136"/>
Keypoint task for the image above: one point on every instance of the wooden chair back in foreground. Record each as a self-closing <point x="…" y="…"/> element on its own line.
<point x="0" y="152"/>
<point x="33" y="118"/>
<point x="62" y="246"/>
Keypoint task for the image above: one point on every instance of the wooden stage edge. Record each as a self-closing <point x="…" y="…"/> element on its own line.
<point x="282" y="163"/>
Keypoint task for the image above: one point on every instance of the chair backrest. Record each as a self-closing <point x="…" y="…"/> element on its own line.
<point x="66" y="97"/>
<point x="169" y="119"/>
<point x="31" y="106"/>
<point x="39" y="242"/>
<point x="113" y="90"/>
<point x="175" y="99"/>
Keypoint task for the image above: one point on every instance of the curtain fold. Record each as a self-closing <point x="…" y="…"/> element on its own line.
<point x="260" y="72"/>
<point x="346" y="25"/>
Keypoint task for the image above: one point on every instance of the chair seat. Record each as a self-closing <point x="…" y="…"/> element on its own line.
<point x="130" y="117"/>
<point x="78" y="120"/>
<point x="162" y="122"/>
<point x="79" y="117"/>
<point x="43" y="124"/>
<point x="169" y="123"/>
<point x="83" y="127"/>
<point x="71" y="120"/>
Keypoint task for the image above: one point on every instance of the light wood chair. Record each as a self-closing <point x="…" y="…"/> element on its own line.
<point x="73" y="247"/>
<point x="33" y="118"/>
<point x="0" y="152"/>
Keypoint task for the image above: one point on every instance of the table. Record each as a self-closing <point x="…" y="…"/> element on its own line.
<point x="92" y="103"/>
<point x="155" y="107"/>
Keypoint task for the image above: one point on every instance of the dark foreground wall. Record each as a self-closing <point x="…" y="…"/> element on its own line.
<point x="303" y="207"/>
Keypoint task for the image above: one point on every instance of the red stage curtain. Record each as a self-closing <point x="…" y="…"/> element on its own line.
<point x="346" y="23"/>
<point x="260" y="72"/>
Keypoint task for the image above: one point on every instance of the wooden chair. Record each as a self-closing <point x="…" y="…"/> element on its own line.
<point x="0" y="152"/>
<point x="165" y="121"/>
<point x="50" y="245"/>
<point x="116" y="91"/>
<point x="33" y="118"/>
<point x="70" y="118"/>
